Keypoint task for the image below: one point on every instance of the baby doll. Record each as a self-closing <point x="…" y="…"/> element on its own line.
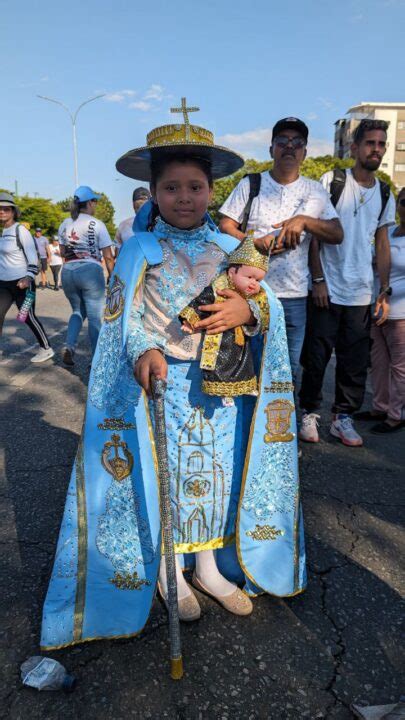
<point x="226" y="358"/>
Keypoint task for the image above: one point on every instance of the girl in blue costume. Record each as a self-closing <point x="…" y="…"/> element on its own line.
<point x="235" y="496"/>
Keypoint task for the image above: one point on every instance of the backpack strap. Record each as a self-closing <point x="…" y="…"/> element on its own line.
<point x="337" y="185"/>
<point x="385" y="191"/>
<point x="255" y="180"/>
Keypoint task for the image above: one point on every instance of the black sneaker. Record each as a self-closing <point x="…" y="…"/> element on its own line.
<point x="56" y="288"/>
<point x="68" y="357"/>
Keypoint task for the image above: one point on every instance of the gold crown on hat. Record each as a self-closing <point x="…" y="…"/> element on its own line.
<point x="181" y="133"/>
<point x="248" y="254"/>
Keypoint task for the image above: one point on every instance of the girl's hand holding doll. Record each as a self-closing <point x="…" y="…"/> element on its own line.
<point x="226" y="315"/>
<point x="150" y="363"/>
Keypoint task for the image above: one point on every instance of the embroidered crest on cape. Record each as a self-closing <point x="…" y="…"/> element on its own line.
<point x="119" y="467"/>
<point x="265" y="532"/>
<point x="278" y="421"/>
<point x="115" y="301"/>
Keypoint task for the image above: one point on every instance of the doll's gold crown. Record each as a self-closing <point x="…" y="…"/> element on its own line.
<point x="179" y="134"/>
<point x="248" y="254"/>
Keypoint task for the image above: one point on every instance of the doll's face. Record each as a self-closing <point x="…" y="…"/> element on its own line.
<point x="246" y="279"/>
<point x="182" y="193"/>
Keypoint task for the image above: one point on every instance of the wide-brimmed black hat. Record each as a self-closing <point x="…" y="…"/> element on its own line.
<point x="184" y="138"/>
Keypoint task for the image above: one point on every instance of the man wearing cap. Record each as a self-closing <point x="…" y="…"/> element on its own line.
<point x="139" y="197"/>
<point x="290" y="206"/>
<point x="42" y="244"/>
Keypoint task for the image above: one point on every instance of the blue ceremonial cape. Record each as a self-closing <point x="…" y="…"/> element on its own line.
<point x="108" y="554"/>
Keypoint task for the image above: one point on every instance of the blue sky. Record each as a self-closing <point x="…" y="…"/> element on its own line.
<point x="245" y="64"/>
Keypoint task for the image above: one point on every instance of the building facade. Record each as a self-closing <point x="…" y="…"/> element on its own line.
<point x="394" y="113"/>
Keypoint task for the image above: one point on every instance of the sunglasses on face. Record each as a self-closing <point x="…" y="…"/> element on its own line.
<point x="401" y="202"/>
<point x="283" y="141"/>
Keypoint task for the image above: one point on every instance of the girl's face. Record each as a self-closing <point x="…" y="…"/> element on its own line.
<point x="182" y="194"/>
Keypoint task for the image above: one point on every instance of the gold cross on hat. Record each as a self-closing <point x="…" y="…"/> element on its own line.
<point x="185" y="110"/>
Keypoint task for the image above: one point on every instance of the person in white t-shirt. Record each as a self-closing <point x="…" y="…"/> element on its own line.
<point x="84" y="241"/>
<point x="139" y="197"/>
<point x="55" y="262"/>
<point x="42" y="244"/>
<point x="296" y="205"/>
<point x="339" y="311"/>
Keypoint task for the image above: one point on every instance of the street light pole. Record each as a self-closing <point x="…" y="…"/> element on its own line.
<point x="73" y="117"/>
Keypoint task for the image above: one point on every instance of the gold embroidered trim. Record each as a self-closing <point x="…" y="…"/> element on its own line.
<point x="115" y="424"/>
<point x="214" y="544"/>
<point x="128" y="581"/>
<point x="239" y="337"/>
<point x="229" y="389"/>
<point x="265" y="532"/>
<point x="263" y="304"/>
<point x="210" y="350"/>
<point x="189" y="314"/>
<point x="279" y="387"/>
<point x="81" y="544"/>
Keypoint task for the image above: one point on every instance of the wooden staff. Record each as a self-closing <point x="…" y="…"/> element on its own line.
<point x="176" y="660"/>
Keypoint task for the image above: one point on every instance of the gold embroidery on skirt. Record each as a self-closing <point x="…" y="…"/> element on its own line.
<point x="115" y="424"/>
<point x="279" y="387"/>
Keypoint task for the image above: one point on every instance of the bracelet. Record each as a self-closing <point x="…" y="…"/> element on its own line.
<point x="387" y="290"/>
<point x="318" y="280"/>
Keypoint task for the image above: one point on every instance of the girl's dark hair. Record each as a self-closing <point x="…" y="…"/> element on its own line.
<point x="76" y="208"/>
<point x="401" y="192"/>
<point x="158" y="165"/>
<point x="16" y="212"/>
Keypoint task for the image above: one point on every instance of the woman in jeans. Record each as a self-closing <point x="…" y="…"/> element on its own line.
<point x="18" y="267"/>
<point x="84" y="241"/>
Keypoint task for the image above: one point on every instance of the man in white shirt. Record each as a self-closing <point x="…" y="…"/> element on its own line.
<point x="339" y="311"/>
<point x="298" y="206"/>
<point x="139" y="197"/>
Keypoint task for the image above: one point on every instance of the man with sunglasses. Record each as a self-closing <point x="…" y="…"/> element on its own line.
<point x="339" y="309"/>
<point x="289" y="206"/>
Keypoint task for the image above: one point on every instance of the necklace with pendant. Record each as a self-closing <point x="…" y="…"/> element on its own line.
<point x="362" y="196"/>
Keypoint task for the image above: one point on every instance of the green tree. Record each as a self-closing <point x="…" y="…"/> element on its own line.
<point x="41" y="212"/>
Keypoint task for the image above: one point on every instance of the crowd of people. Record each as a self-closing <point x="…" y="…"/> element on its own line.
<point x="186" y="302"/>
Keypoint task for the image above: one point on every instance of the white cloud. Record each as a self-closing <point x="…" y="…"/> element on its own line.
<point x="141" y="105"/>
<point x="255" y="144"/>
<point x="155" y="92"/>
<point x="44" y="78"/>
<point x="326" y="103"/>
<point x="319" y="147"/>
<point x="356" y="18"/>
<point x="119" y="95"/>
<point x="312" y="116"/>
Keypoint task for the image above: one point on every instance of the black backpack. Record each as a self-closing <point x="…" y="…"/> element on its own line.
<point x="338" y="183"/>
<point x="21" y="247"/>
<point x="255" y="180"/>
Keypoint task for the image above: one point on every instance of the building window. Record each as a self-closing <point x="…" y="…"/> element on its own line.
<point x="401" y="125"/>
<point x="401" y="146"/>
<point x="400" y="167"/>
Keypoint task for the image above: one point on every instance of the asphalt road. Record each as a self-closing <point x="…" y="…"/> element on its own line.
<point x="308" y="657"/>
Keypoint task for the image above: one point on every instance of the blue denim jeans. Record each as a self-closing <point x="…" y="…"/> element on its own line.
<point x="84" y="287"/>
<point x="295" y="313"/>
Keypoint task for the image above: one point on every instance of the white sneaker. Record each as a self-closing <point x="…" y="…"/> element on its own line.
<point x="309" y="428"/>
<point x="42" y="355"/>
<point x="342" y="428"/>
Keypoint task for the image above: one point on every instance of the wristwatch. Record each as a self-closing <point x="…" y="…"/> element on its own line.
<point x="318" y="280"/>
<point x="385" y="290"/>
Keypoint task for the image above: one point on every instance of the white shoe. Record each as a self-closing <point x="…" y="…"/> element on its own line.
<point x="342" y="428"/>
<point x="42" y="355"/>
<point x="309" y="428"/>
